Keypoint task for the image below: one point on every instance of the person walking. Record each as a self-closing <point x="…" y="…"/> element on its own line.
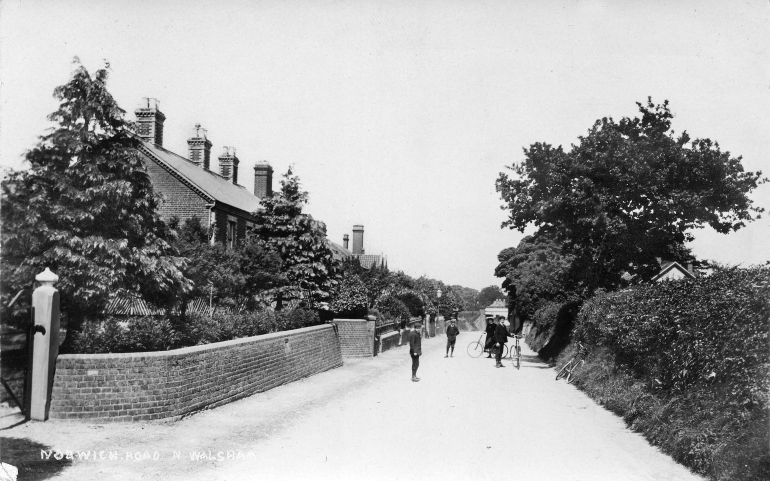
<point x="451" y="336"/>
<point x="501" y="337"/>
<point x="415" y="350"/>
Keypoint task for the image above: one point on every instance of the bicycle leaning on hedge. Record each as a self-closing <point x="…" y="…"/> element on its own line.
<point x="578" y="360"/>
<point x="476" y="348"/>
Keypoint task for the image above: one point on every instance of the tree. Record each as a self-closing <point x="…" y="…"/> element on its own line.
<point x="301" y="242"/>
<point x="350" y="299"/>
<point x="489" y="294"/>
<point x="85" y="207"/>
<point x="468" y="297"/>
<point x="628" y="192"/>
<point x="537" y="271"/>
<point x="220" y="272"/>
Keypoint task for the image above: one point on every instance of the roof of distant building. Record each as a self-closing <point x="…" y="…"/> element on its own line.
<point x="666" y="267"/>
<point x="209" y="183"/>
<point x="369" y="260"/>
<point x="339" y="252"/>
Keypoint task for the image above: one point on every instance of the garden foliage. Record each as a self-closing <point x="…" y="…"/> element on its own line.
<point x="687" y="363"/>
<point x="146" y="334"/>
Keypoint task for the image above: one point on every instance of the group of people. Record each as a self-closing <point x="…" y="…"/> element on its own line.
<point x="497" y="336"/>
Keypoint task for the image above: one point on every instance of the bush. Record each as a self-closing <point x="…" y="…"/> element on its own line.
<point x="113" y="335"/>
<point x="147" y="334"/>
<point x="393" y="309"/>
<point x="687" y="364"/>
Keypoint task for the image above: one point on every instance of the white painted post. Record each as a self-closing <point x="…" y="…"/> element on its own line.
<point x="45" y="300"/>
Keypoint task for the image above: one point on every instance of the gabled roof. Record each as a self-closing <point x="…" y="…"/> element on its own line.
<point x="339" y="252"/>
<point x="207" y="182"/>
<point x="669" y="266"/>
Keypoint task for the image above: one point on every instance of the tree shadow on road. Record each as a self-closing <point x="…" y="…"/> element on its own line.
<point x="26" y="455"/>
<point x="535" y="362"/>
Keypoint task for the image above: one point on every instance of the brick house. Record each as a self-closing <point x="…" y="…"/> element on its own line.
<point x="358" y="252"/>
<point x="190" y="188"/>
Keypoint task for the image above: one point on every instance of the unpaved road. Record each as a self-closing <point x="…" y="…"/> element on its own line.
<point x="465" y="420"/>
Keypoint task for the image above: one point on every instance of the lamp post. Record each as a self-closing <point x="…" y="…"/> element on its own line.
<point x="438" y="310"/>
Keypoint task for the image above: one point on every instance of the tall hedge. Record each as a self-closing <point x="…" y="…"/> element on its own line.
<point x="695" y="354"/>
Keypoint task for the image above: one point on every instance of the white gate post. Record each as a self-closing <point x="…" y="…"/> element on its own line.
<point x="45" y="301"/>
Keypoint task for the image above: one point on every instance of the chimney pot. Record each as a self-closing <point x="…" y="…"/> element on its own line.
<point x="263" y="180"/>
<point x="228" y="165"/>
<point x="345" y="240"/>
<point x="199" y="148"/>
<point x="149" y="123"/>
<point x="358" y="239"/>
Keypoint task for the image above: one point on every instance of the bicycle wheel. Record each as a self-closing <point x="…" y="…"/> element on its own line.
<point x="569" y="376"/>
<point x="505" y="351"/>
<point x="564" y="370"/>
<point x="518" y="357"/>
<point x="475" y="349"/>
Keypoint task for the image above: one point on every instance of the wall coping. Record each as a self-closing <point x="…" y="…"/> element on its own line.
<point x="194" y="349"/>
<point x="351" y="320"/>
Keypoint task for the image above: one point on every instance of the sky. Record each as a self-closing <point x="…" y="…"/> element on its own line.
<point x="400" y="115"/>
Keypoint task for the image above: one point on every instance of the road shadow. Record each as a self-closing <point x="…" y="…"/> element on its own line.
<point x="26" y="455"/>
<point x="534" y="362"/>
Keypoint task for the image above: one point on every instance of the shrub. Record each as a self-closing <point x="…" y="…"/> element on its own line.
<point x="393" y="309"/>
<point x="145" y="334"/>
<point x="687" y="364"/>
<point x="113" y="335"/>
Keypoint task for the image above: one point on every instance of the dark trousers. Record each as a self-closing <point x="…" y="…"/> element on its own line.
<point x="499" y="352"/>
<point x="415" y="363"/>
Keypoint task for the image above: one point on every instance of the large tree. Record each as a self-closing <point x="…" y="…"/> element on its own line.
<point x="628" y="192"/>
<point x="537" y="271"/>
<point x="85" y="208"/>
<point x="300" y="240"/>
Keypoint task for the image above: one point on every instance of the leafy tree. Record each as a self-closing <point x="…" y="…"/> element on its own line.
<point x="85" y="207"/>
<point x="300" y="240"/>
<point x="350" y="300"/>
<point x="468" y="297"/>
<point x="537" y="271"/>
<point x="628" y="192"/>
<point x="490" y="294"/>
<point x="215" y="270"/>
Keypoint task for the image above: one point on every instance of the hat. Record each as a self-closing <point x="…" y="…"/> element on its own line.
<point x="452" y="320"/>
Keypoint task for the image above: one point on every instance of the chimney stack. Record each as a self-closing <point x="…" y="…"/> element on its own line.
<point x="149" y="122"/>
<point x="263" y="180"/>
<point x="199" y="148"/>
<point x="228" y="165"/>
<point x="358" y="239"/>
<point x="345" y="239"/>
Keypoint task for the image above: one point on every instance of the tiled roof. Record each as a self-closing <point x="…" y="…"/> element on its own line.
<point x="369" y="260"/>
<point x="210" y="183"/>
<point x="338" y="251"/>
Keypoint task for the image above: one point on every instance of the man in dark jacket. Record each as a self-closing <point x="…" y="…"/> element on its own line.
<point x="501" y="337"/>
<point x="415" y="350"/>
<point x="451" y="336"/>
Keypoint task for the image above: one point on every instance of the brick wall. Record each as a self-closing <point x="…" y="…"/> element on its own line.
<point x="170" y="384"/>
<point x="356" y="337"/>
<point x="178" y="199"/>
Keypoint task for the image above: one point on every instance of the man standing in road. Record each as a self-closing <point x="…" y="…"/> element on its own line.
<point x="415" y="350"/>
<point x="451" y="336"/>
<point x="501" y="337"/>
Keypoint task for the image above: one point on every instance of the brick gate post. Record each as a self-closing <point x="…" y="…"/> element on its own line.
<point x="45" y="300"/>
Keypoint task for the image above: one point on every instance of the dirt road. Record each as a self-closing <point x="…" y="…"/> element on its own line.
<point x="465" y="420"/>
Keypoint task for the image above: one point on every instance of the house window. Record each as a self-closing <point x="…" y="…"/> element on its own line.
<point x="231" y="229"/>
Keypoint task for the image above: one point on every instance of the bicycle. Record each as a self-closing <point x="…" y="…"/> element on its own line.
<point x="516" y="352"/>
<point x="476" y="348"/>
<point x="578" y="360"/>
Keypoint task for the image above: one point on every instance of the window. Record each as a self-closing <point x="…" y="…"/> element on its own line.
<point x="231" y="230"/>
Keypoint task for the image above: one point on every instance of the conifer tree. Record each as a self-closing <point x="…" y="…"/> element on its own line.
<point x="85" y="208"/>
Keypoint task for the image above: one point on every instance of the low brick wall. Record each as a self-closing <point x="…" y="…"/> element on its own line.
<point x="356" y="337"/>
<point x="390" y="340"/>
<point x="170" y="384"/>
